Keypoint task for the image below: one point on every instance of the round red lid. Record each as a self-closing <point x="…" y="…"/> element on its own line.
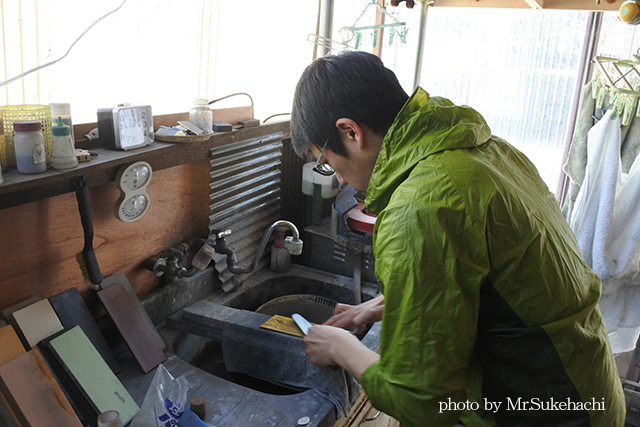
<point x="27" y="125"/>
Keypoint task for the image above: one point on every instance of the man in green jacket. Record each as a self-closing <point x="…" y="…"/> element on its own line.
<point x="489" y="313"/>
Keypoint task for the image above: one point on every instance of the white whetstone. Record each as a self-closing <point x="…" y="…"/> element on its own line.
<point x="37" y="322"/>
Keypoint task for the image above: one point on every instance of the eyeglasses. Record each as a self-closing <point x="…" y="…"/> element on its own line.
<point x="323" y="168"/>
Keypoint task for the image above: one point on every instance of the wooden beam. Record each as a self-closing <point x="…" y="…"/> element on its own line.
<point x="377" y="50"/>
<point x="535" y="4"/>
<point x="593" y="5"/>
<point x="18" y="189"/>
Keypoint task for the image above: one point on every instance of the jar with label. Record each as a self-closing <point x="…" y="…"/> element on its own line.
<point x="28" y="142"/>
<point x="201" y="115"/>
<point x="63" y="151"/>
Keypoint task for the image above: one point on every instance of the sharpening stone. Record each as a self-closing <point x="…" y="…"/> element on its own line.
<point x="36" y="322"/>
<point x="221" y="126"/>
<point x="283" y="324"/>
<point x="33" y="394"/>
<point x="91" y="375"/>
<point x="132" y="327"/>
<point x="122" y="279"/>
<point x="10" y="345"/>
<point x="72" y="311"/>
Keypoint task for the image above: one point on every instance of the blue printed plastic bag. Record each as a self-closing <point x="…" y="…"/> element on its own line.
<point x="165" y="401"/>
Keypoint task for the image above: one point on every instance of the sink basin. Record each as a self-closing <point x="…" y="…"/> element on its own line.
<point x="207" y="316"/>
<point x="241" y="351"/>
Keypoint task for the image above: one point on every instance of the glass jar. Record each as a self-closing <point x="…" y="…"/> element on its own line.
<point x="201" y="115"/>
<point x="63" y="151"/>
<point x="28" y="142"/>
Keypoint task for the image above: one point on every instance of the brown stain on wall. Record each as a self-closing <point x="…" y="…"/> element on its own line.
<point x="39" y="240"/>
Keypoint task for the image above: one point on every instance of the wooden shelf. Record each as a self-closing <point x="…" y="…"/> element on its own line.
<point x="18" y="189"/>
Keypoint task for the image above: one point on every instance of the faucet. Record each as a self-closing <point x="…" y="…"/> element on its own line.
<point x="170" y="262"/>
<point x="217" y="243"/>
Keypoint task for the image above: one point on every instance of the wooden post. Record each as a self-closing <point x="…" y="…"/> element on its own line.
<point x="377" y="50"/>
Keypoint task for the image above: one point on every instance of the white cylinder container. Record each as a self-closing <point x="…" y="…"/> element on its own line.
<point x="62" y="111"/>
<point x="109" y="419"/>
<point x="329" y="184"/>
<point x="29" y="147"/>
<point x="63" y="152"/>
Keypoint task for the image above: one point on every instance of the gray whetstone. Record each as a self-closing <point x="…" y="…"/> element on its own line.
<point x="122" y="279"/>
<point x="132" y="326"/>
<point x="33" y="394"/>
<point x="92" y="376"/>
<point x="72" y="311"/>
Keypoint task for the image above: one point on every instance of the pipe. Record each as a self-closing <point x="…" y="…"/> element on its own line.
<point x="327" y="24"/>
<point x="421" y="35"/>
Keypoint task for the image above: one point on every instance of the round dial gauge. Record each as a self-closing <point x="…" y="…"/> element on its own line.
<point x="135" y="176"/>
<point x="132" y="181"/>
<point x="134" y="207"/>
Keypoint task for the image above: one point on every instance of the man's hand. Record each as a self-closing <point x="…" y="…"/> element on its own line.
<point x="345" y="316"/>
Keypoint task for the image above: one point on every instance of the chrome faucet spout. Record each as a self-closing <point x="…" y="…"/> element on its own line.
<point x="293" y="244"/>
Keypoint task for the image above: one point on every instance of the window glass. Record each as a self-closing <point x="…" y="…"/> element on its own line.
<point x="163" y="53"/>
<point x="517" y="67"/>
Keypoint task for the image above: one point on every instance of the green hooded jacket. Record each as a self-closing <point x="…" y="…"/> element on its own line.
<point x="487" y="298"/>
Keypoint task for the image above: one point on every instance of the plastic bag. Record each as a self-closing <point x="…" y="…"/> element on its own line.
<point x="165" y="400"/>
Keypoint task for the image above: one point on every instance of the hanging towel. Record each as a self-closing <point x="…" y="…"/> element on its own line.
<point x="606" y="222"/>
<point x="576" y="162"/>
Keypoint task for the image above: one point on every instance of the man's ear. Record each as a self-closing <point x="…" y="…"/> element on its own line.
<point x="350" y="131"/>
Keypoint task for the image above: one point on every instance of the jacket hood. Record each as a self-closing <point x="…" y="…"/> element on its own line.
<point x="424" y="126"/>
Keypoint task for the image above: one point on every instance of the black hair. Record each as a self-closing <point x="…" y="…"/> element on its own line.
<point x="351" y="84"/>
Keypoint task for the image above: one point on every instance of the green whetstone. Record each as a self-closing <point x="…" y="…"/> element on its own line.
<point x="33" y="394"/>
<point x="72" y="311"/>
<point x="99" y="385"/>
<point x="132" y="326"/>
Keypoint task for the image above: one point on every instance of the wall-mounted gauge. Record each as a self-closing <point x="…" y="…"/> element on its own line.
<point x="132" y="181"/>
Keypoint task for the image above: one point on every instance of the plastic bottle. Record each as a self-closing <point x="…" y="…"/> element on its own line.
<point x="29" y="146"/>
<point x="201" y="115"/>
<point x="63" y="152"/>
<point x="280" y="258"/>
<point x="63" y="111"/>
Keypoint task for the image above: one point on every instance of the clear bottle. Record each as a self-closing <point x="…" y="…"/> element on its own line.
<point x="280" y="257"/>
<point x="63" y="151"/>
<point x="63" y="111"/>
<point x="201" y="115"/>
<point x="29" y="146"/>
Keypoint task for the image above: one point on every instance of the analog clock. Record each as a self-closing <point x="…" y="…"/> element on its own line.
<point x="126" y="126"/>
<point x="132" y="181"/>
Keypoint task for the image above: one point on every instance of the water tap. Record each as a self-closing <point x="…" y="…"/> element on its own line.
<point x="217" y="243"/>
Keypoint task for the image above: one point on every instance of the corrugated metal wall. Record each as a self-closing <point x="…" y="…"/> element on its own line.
<point x="245" y="198"/>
